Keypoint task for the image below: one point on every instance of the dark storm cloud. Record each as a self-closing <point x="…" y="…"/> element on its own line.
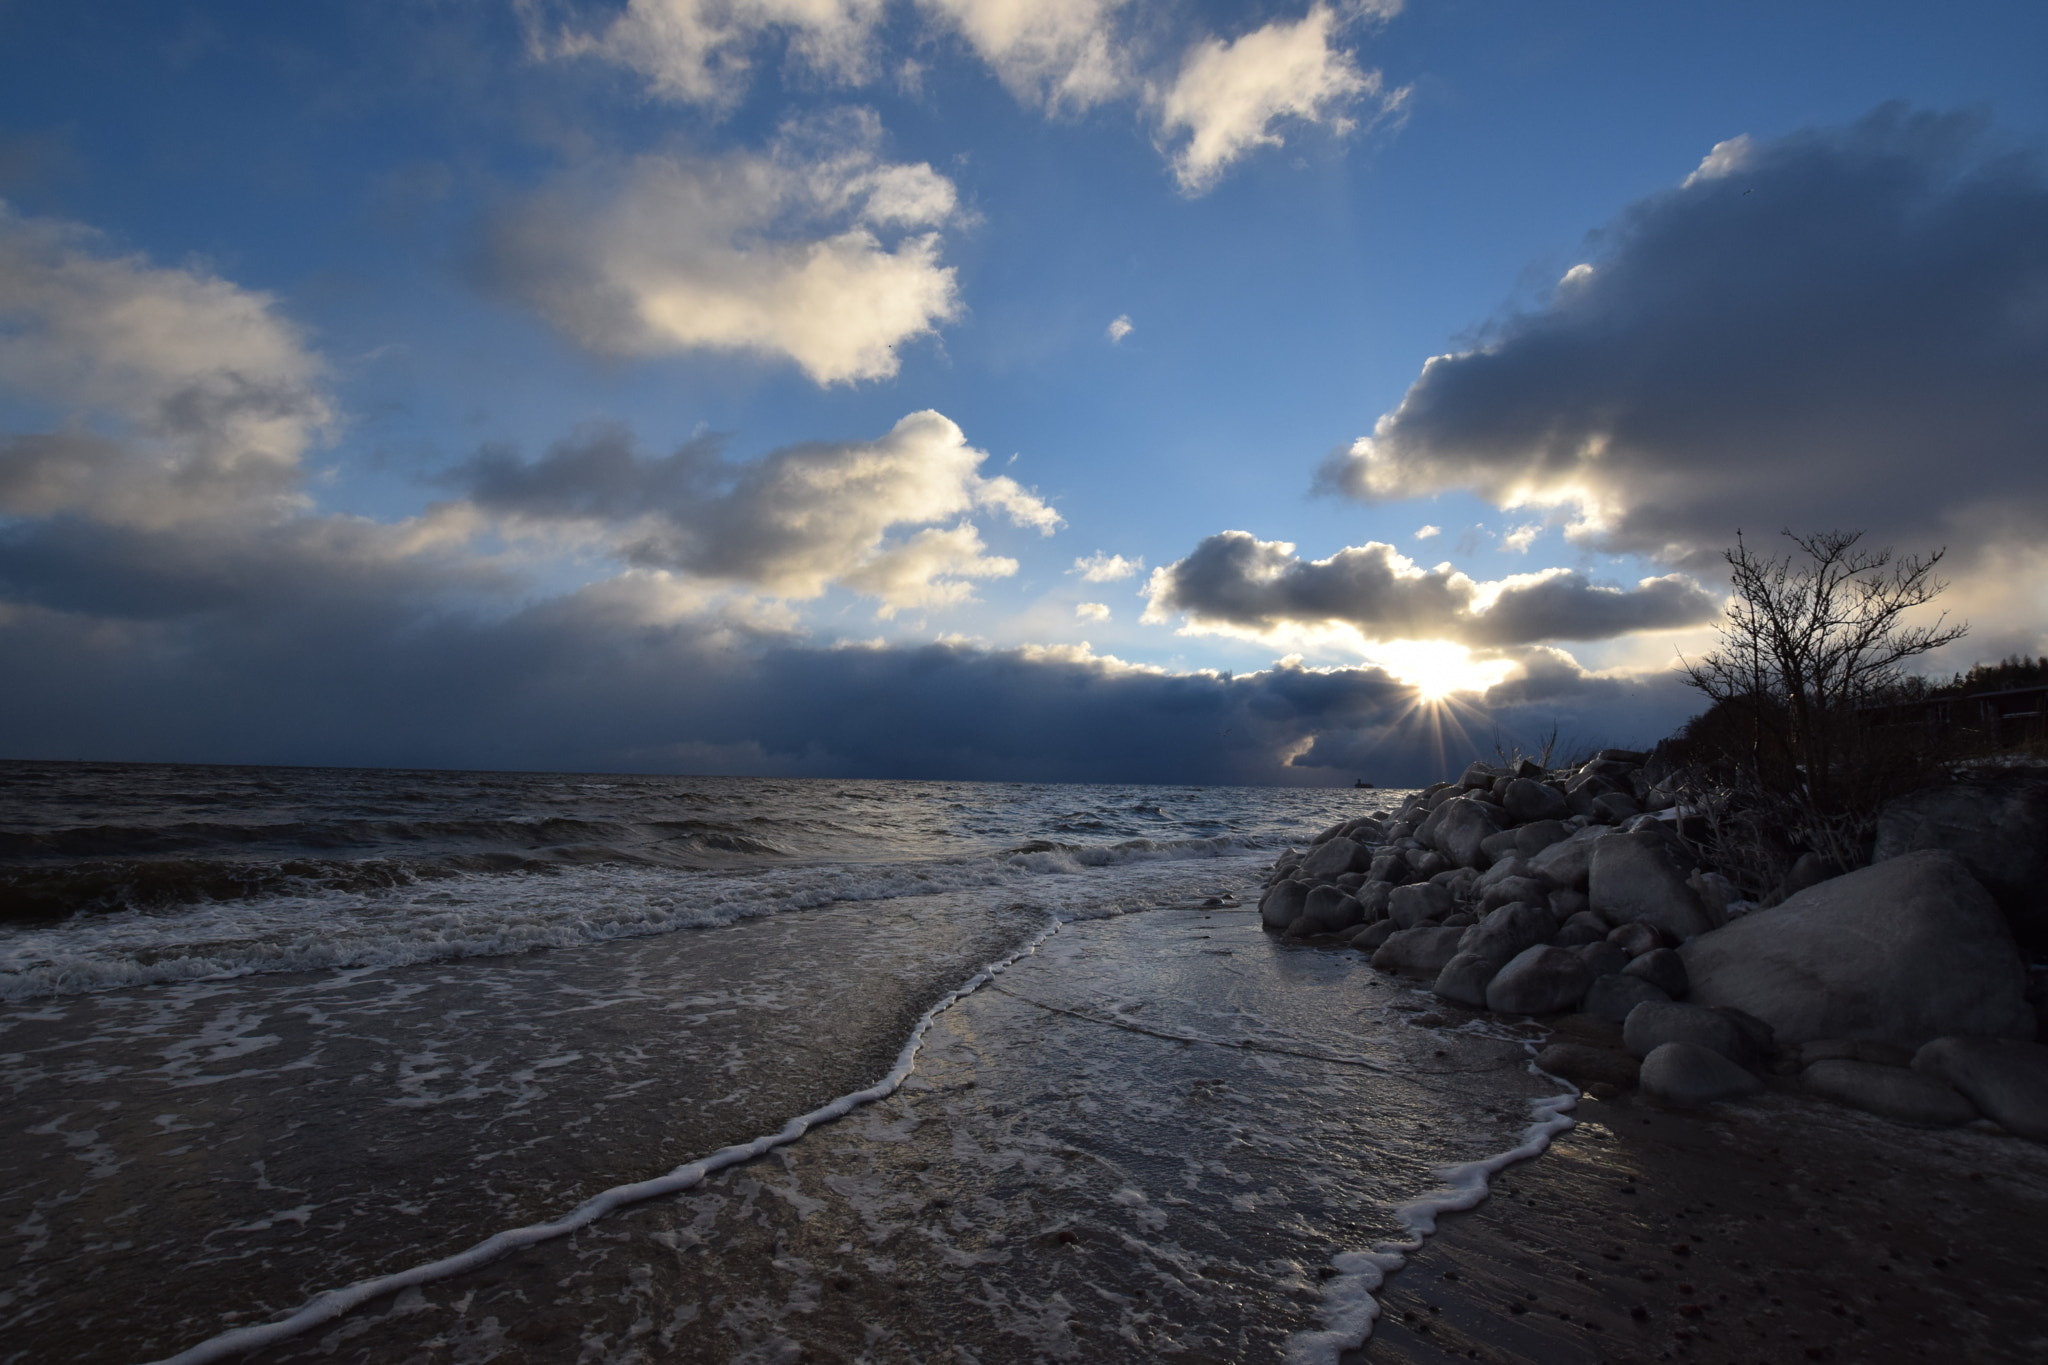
<point x="1839" y="327"/>
<point x="1235" y="579"/>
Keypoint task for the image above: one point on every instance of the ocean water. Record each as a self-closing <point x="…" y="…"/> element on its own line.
<point x="390" y="1058"/>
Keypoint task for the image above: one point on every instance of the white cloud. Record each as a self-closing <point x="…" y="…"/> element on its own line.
<point x="1119" y="328"/>
<point x="1522" y="537"/>
<point x="1107" y="568"/>
<point x="791" y="523"/>
<point x="1228" y="97"/>
<point x="1061" y="54"/>
<point x="786" y="254"/>
<point x="179" y="395"/>
<point x="1428" y="531"/>
<point x="1091" y="611"/>
<point x="702" y="51"/>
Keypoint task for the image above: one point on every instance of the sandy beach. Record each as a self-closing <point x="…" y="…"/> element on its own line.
<point x="1779" y="1229"/>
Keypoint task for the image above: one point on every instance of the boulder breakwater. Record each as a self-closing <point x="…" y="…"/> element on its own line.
<point x="1585" y="896"/>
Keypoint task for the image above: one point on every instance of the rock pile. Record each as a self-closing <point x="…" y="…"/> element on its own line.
<point x="1897" y="988"/>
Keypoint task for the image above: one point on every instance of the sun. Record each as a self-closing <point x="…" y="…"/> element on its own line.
<point x="1438" y="668"/>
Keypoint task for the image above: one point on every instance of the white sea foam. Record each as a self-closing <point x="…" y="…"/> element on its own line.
<point x="333" y="1304"/>
<point x="487" y="915"/>
<point x="1349" y="1306"/>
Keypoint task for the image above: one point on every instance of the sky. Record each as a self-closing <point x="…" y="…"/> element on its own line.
<point x="1080" y="390"/>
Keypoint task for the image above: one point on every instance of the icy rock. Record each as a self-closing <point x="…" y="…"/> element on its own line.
<point x="1333" y="859"/>
<point x="1409" y="905"/>
<point x="1633" y="878"/>
<point x="1568" y="863"/>
<point x="1463" y="979"/>
<point x="2006" y="1079"/>
<point x="1889" y="1091"/>
<point x="1660" y="967"/>
<point x="1613" y="996"/>
<point x="1901" y="951"/>
<point x="1528" y="801"/>
<point x="1418" y="952"/>
<point x="1461" y="826"/>
<point x="1282" y="904"/>
<point x="1539" y="980"/>
<point x="1650" y="1025"/>
<point x="1689" y="1075"/>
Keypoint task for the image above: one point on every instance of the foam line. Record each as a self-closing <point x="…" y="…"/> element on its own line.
<point x="333" y="1304"/>
<point x="1349" y="1308"/>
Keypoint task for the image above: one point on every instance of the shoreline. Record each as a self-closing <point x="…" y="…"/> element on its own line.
<point x="1783" y="1228"/>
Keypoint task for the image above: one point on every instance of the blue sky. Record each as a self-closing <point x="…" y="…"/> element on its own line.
<point x="369" y="373"/>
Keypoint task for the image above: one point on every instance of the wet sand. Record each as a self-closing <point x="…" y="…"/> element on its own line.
<point x="1784" y="1229"/>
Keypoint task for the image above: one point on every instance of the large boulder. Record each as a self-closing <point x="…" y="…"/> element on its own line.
<point x="1463" y="979"/>
<point x="1372" y="900"/>
<point x="1614" y="997"/>
<point x="1282" y="904"/>
<point x="1633" y="877"/>
<point x="1902" y="951"/>
<point x="1660" y="967"/>
<point x="1418" y="952"/>
<point x="1391" y="866"/>
<point x="1568" y="863"/>
<point x="1584" y="1064"/>
<point x="1601" y="958"/>
<point x="1333" y="858"/>
<point x="1527" y="801"/>
<point x="2007" y="1080"/>
<point x="1998" y="826"/>
<point x="1507" y="890"/>
<point x="1652" y="1024"/>
<point x="1409" y="905"/>
<point x="1329" y="910"/>
<point x="1690" y="1075"/>
<point x="1538" y="835"/>
<point x="1459" y="827"/>
<point x="1509" y="931"/>
<point x="1539" y="980"/>
<point x="1892" y="1091"/>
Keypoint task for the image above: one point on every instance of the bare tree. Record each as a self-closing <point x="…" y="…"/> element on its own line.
<point x="1807" y="641"/>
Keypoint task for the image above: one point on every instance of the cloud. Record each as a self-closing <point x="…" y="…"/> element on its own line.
<point x="1427" y="532"/>
<point x="174" y="395"/>
<point x="1229" y="97"/>
<point x="1234" y="583"/>
<point x="1059" y="54"/>
<point x="791" y="523"/>
<point x="1107" y="568"/>
<point x="819" y="252"/>
<point x="1522" y="537"/>
<point x="1091" y="611"/>
<point x="1842" y="327"/>
<point x="1119" y="328"/>
<point x="702" y="51"/>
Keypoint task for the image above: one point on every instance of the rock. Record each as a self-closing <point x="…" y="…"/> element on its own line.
<point x="1390" y="867"/>
<point x="1508" y="931"/>
<point x="1477" y="774"/>
<point x="1902" y="951"/>
<point x="1531" y="839"/>
<point x="1716" y="892"/>
<point x="1372" y="936"/>
<point x="1329" y="910"/>
<point x="1528" y="801"/>
<point x="1458" y="881"/>
<point x="1372" y="900"/>
<point x="1614" y="997"/>
<point x="1460" y="827"/>
<point x="1584" y="919"/>
<point x="1333" y="859"/>
<point x="1499" y="846"/>
<point x="1650" y="1025"/>
<point x="1616" y="807"/>
<point x="1584" y="1064"/>
<point x="1565" y="904"/>
<point x="1350" y="882"/>
<point x="1428" y="863"/>
<point x="1633" y="878"/>
<point x="1660" y="967"/>
<point x="1627" y="758"/>
<point x="1282" y="904"/>
<point x="1636" y="939"/>
<point x="1809" y="869"/>
<point x="1759" y="1037"/>
<point x="1890" y="1091"/>
<point x="1854" y="1050"/>
<point x="1998" y="826"/>
<point x="1689" y="1075"/>
<point x="1581" y="934"/>
<point x="1602" y="958"/>
<point x="1409" y="905"/>
<point x="1463" y="979"/>
<point x="1539" y="980"/>
<point x="1508" y="889"/>
<point x="2006" y="1079"/>
<point x="1568" y="863"/>
<point x="1459" y="919"/>
<point x="1418" y="952"/>
<point x="1510" y="866"/>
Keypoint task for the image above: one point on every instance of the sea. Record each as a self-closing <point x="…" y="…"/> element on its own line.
<point x="381" y="1066"/>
